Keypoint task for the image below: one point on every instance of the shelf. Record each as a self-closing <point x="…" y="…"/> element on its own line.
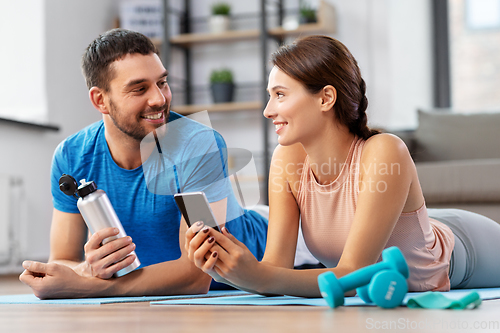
<point x="187" y="40"/>
<point x="202" y="38"/>
<point x="309" y="28"/>
<point x="221" y="107"/>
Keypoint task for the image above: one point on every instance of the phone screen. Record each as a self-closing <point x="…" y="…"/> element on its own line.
<point x="194" y="207"/>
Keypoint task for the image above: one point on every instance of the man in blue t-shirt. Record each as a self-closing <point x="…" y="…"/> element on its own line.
<point x="128" y="85"/>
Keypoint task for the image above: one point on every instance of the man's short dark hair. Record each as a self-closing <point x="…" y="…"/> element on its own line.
<point x="108" y="47"/>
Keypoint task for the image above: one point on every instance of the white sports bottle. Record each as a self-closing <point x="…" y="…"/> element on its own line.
<point x="97" y="211"/>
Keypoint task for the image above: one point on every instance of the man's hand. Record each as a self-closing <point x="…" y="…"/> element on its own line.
<point x="53" y="280"/>
<point x="103" y="261"/>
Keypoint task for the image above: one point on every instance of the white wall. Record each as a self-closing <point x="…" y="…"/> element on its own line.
<point x="389" y="38"/>
<point x="69" y="27"/>
<point x="410" y="54"/>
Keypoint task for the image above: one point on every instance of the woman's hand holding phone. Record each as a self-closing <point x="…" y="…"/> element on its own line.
<point x="199" y="243"/>
<point x="223" y="257"/>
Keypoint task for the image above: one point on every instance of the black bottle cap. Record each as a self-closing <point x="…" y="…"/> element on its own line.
<point x="68" y="184"/>
<point x="86" y="188"/>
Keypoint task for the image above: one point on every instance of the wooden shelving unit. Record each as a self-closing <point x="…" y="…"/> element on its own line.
<point x="326" y="24"/>
<point x="185" y="41"/>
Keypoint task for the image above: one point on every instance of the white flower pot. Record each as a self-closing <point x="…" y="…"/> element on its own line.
<point x="291" y="22"/>
<point x="218" y="23"/>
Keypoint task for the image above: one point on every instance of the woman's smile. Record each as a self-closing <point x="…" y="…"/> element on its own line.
<point x="279" y="126"/>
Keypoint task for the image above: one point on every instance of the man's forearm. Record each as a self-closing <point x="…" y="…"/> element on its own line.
<point x="169" y="278"/>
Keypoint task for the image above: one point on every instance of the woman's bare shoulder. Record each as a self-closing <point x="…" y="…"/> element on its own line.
<point x="290" y="154"/>
<point x="385" y="146"/>
<point x="386" y="152"/>
<point x="384" y="139"/>
<point x="288" y="162"/>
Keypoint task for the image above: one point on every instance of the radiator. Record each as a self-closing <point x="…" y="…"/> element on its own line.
<point x="11" y="218"/>
<point x="5" y="229"/>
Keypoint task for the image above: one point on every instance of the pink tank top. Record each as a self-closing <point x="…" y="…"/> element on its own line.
<point x="327" y="212"/>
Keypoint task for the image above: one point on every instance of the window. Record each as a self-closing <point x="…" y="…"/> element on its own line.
<point x="474" y="41"/>
<point x="484" y="14"/>
<point x="22" y="61"/>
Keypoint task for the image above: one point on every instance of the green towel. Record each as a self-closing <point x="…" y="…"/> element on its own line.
<point x="436" y="300"/>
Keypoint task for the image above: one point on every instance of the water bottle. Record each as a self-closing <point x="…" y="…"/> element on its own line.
<point x="97" y="211"/>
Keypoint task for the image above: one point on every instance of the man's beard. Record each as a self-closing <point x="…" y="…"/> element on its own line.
<point x="136" y="132"/>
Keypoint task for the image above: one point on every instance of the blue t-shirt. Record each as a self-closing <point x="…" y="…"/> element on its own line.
<point x="186" y="157"/>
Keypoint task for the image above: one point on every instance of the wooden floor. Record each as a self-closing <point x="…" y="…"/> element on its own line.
<point x="141" y="317"/>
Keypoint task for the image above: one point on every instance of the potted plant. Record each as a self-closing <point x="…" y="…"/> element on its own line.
<point x="222" y="86"/>
<point x="219" y="21"/>
<point x="307" y="13"/>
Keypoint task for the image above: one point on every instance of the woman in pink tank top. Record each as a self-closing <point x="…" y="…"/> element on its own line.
<point x="355" y="190"/>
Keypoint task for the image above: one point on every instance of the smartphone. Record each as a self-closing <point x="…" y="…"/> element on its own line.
<point x="194" y="207"/>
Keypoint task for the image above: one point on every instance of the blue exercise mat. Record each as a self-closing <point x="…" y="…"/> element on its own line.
<point x="252" y="300"/>
<point x="225" y="297"/>
<point x="485" y="293"/>
<point x="32" y="299"/>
